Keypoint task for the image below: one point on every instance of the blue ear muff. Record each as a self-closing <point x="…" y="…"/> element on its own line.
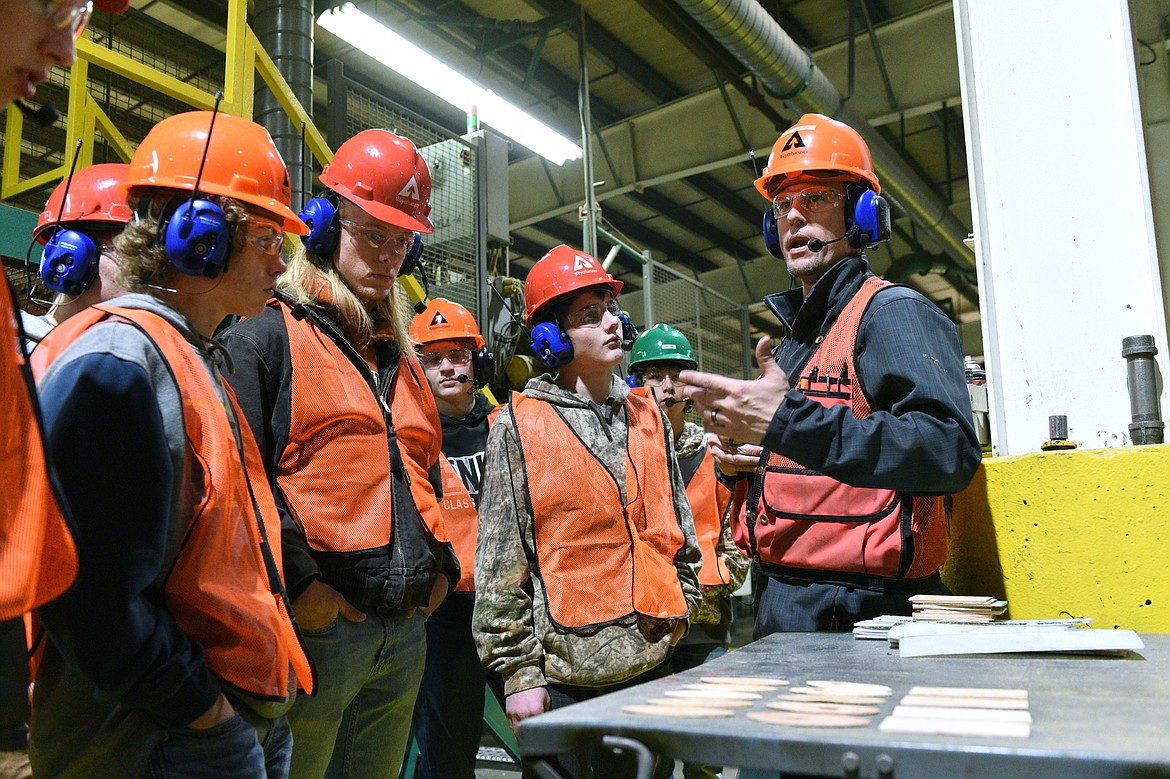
<point x="772" y="235"/>
<point x="633" y="382"/>
<point x="413" y="255"/>
<point x="629" y="332"/>
<point x="320" y="214"/>
<point x="551" y="345"/>
<point x="871" y="221"/>
<point x="70" y="262"/>
<point x="197" y="238"/>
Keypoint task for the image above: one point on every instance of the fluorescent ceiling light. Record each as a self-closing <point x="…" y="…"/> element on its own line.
<point x="403" y="57"/>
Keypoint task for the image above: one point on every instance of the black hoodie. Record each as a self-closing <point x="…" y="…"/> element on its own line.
<point x="464" y="439"/>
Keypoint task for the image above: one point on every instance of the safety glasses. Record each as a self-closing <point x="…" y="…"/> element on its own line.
<point x="66" y="14"/>
<point x="808" y="201"/>
<point x="458" y="356"/>
<point x="592" y="314"/>
<point x="264" y="235"/>
<point x="378" y="238"/>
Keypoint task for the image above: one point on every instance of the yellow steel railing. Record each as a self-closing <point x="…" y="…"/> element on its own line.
<point x="244" y="58"/>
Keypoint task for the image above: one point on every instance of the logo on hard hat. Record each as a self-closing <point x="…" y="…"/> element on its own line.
<point x="439" y="320"/>
<point x="410" y="190"/>
<point x="582" y="265"/>
<point x="795" y="142"/>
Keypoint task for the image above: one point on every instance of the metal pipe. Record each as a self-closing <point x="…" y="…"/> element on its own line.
<point x="285" y="30"/>
<point x="1142" y="379"/>
<point x="788" y="71"/>
<point x="589" y="226"/>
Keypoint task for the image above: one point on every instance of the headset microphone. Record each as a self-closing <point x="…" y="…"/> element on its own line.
<point x="46" y="115"/>
<point x="462" y="379"/>
<point x="816" y="244"/>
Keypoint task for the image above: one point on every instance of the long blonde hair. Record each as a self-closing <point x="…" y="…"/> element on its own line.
<point x="307" y="271"/>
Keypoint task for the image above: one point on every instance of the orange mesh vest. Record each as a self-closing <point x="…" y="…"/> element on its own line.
<point x="37" y="555"/>
<point x="337" y="445"/>
<point x="805" y="519"/>
<point x="601" y="562"/>
<point x="709" y="499"/>
<point x="461" y="523"/>
<point x="224" y="588"/>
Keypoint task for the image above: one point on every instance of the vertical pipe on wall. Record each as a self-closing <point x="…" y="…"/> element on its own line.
<point x="285" y="30"/>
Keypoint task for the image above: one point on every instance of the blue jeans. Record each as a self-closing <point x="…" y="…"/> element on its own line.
<point x="448" y="715"/>
<point x="233" y="749"/>
<point x="358" y="722"/>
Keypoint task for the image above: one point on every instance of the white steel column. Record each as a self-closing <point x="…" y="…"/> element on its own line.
<point x="1064" y="233"/>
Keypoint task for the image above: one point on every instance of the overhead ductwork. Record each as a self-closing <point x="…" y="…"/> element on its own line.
<point x="788" y="71"/>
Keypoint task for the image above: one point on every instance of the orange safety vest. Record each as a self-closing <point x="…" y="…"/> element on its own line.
<point x="709" y="500"/>
<point x="337" y="444"/>
<point x="37" y="555"/>
<point x="224" y="588"/>
<point x="601" y="562"/>
<point x="462" y="523"/>
<point x="805" y="519"/>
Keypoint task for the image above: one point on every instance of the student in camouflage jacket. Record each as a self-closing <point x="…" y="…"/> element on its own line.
<point x="543" y="665"/>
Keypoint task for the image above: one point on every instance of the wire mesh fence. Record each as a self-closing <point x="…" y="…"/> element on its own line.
<point x="716" y="326"/>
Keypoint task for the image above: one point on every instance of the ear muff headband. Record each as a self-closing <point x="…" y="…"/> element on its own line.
<point x="322" y="215"/>
<point x="70" y="262"/>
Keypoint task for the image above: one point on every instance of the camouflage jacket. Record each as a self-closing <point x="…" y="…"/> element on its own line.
<point x="513" y="632"/>
<point x="712" y="621"/>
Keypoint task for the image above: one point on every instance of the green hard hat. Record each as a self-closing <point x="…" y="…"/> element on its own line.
<point x="662" y="343"/>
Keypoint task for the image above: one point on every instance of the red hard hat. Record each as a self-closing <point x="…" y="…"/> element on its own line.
<point x="94" y="198"/>
<point x="817" y="143"/>
<point x="561" y="271"/>
<point x="384" y="175"/>
<point x="443" y="320"/>
<point x="242" y="163"/>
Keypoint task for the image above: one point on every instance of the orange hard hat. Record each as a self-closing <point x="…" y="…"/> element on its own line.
<point x="384" y="175"/>
<point x="813" y="147"/>
<point x="242" y="163"/>
<point x="94" y="198"/>
<point x="561" y="271"/>
<point x="443" y="320"/>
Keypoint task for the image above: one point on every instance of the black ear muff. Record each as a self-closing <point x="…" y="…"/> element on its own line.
<point x="868" y="218"/>
<point x="197" y="238"/>
<point x="551" y="345"/>
<point x="320" y="214"/>
<point x="772" y="235"/>
<point x="483" y="363"/>
<point x="413" y="256"/>
<point x="70" y="262"/>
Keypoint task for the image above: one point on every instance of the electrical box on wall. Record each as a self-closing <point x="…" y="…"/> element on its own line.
<point x="456" y="187"/>
<point x="493" y="156"/>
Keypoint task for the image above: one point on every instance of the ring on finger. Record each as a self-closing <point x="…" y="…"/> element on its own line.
<point x="714" y="415"/>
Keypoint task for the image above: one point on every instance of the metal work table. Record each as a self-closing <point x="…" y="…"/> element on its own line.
<point x="1092" y="716"/>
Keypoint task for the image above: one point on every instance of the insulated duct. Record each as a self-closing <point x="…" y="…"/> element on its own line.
<point x="285" y="30"/>
<point x="789" y="73"/>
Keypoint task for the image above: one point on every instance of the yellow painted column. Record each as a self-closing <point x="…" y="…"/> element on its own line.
<point x="1082" y="532"/>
